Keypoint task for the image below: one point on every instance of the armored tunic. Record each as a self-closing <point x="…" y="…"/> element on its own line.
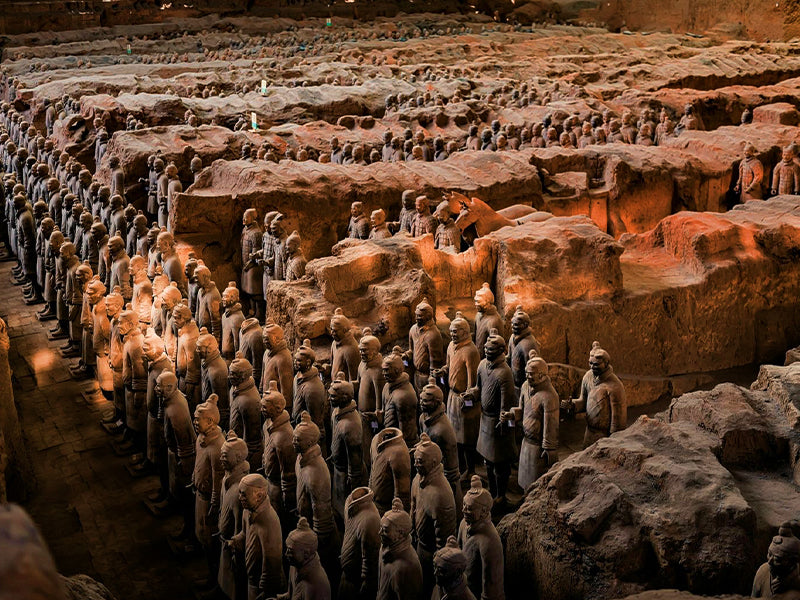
<point x="495" y="387"/>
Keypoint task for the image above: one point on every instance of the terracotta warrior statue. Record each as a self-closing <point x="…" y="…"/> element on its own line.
<point x="251" y="346"/>
<point x="307" y="578"/>
<point x="360" y="546"/>
<point x="134" y="379"/>
<point x="786" y="175"/>
<point x="189" y="267"/>
<point x="779" y="577"/>
<point x="460" y="373"/>
<point x="209" y="303"/>
<point x="347" y="449"/>
<point x="207" y="482"/>
<point x="232" y="319"/>
<point x="487" y="317"/>
<point x="447" y="235"/>
<point x="434" y="423"/>
<point x="279" y="455"/>
<point x="157" y="363"/>
<point x="449" y="564"/>
<point x="370" y="388"/>
<point x="399" y="570"/>
<point x="494" y="388"/>
<point x="358" y="228"/>
<point x="314" y="493"/>
<point x="481" y="544"/>
<point x="295" y="259"/>
<point x="277" y="364"/>
<point x="538" y="413"/>
<point x="213" y="376"/>
<point x="520" y="345"/>
<point x="260" y="540"/>
<point x="426" y="347"/>
<point x="390" y="476"/>
<point x="252" y="270"/>
<point x="423" y="221"/>
<point x="233" y="459"/>
<point x="309" y="394"/>
<point x="433" y="509"/>
<point x="380" y="230"/>
<point x="246" y="408"/>
<point x="345" y="356"/>
<point x="142" y="293"/>
<point x="120" y="272"/>
<point x="751" y="176"/>
<point x="602" y="398"/>
<point x="187" y="362"/>
<point x="170" y="298"/>
<point x="399" y="399"/>
<point x="170" y="263"/>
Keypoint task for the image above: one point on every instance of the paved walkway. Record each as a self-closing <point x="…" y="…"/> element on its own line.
<point x="87" y="506"/>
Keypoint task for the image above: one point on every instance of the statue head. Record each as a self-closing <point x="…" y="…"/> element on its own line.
<point x="442" y="213"/>
<point x="340" y="392"/>
<point x="67" y="250"/>
<point x="340" y="325"/>
<point x="165" y="242"/>
<point x="152" y="345"/>
<point x="230" y="295"/>
<point x="293" y="243"/>
<point x="166" y="384"/>
<point x="356" y="209"/>
<point x="273" y="335"/>
<point x="422" y="205"/>
<point x="203" y="275"/>
<point x="272" y="401"/>
<point x="427" y="455"/>
<point x="784" y="552"/>
<point x="477" y="502"/>
<point x="408" y="199"/>
<point x="276" y="225"/>
<point x="306" y="433"/>
<point x="304" y="357"/>
<point x="495" y="346"/>
<point x="249" y="217"/>
<point x="206" y="415"/>
<point x="535" y="369"/>
<point x="431" y="397"/>
<point x="138" y="265"/>
<point x="368" y="346"/>
<point x="423" y="314"/>
<point x="240" y="370"/>
<point x="233" y="452"/>
<point x="181" y="314"/>
<point x="301" y="544"/>
<point x="449" y="564"/>
<point x="252" y="491"/>
<point x="116" y="246"/>
<point x="170" y="296"/>
<point x="395" y="524"/>
<point x="95" y="290"/>
<point x="599" y="360"/>
<point x="207" y="344"/>
<point x="114" y="302"/>
<point x="520" y="321"/>
<point x="392" y="365"/>
<point x="377" y="218"/>
<point x="459" y="329"/>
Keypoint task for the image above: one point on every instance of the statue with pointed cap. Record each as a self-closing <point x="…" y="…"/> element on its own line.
<point x="260" y="540"/>
<point x="314" y="493"/>
<point x="233" y="459"/>
<point x="520" y="345"/>
<point x="481" y="544"/>
<point x="360" y="546"/>
<point x="309" y="394"/>
<point x="487" y="317"/>
<point x="187" y="361"/>
<point x="209" y="302"/>
<point x="307" y="578"/>
<point x="345" y="356"/>
<point x="751" y="176"/>
<point x="433" y="510"/>
<point x="232" y="319"/>
<point x="399" y="569"/>
<point x="251" y="346"/>
<point x="346" y="442"/>
<point x="370" y="387"/>
<point x="449" y="564"/>
<point x="279" y="457"/>
<point x="295" y="259"/>
<point x="779" y="577"/>
<point x="252" y="270"/>
<point x="170" y="263"/>
<point x="602" y="398"/>
<point x="157" y="362"/>
<point x="538" y="411"/>
<point x="399" y="398"/>
<point x="277" y="363"/>
<point x="134" y="378"/>
<point x="213" y="375"/>
<point x="358" y="228"/>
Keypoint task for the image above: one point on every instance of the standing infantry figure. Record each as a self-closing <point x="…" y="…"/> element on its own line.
<point x="520" y="345"/>
<point x="345" y="356"/>
<point x="426" y="348"/>
<point x="232" y="320"/>
<point x="307" y="578"/>
<point x="246" y="408"/>
<point x="233" y="458"/>
<point x="309" y="394"/>
<point x="360" y="547"/>
<point x="390" y="476"/>
<point x="779" y="577"/>
<point x="449" y="564"/>
<point x="751" y="176"/>
<point x="602" y="398"/>
<point x="481" y="544"/>
<point x="214" y="376"/>
<point x="399" y="571"/>
<point x="399" y="399"/>
<point x="346" y="443"/>
<point x="252" y="272"/>
<point x="487" y="318"/>
<point x="277" y="364"/>
<point x="279" y="455"/>
<point x="370" y="388"/>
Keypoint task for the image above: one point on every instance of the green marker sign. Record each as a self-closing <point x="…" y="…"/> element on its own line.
<point x="129" y="48"/>
<point x="328" y="22"/>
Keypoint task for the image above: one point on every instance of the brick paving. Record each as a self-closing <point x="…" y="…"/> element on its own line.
<point x="87" y="506"/>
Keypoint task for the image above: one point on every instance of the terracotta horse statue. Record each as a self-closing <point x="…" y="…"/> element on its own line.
<point x="476" y="218"/>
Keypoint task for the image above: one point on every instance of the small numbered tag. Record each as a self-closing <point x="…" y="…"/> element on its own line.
<point x="374" y="425"/>
<point x="468" y="403"/>
<point x="263" y="86"/>
<point x="253" y="120"/>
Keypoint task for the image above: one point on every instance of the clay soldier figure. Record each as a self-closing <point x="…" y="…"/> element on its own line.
<point x="390" y="476"/>
<point x="99" y="234"/>
<point x="520" y="345"/>
<point x="117" y="177"/>
<point x="207" y="482"/>
<point x="114" y="304"/>
<point x="120" y="272"/>
<point x="140" y="233"/>
<point x="408" y="212"/>
<point x="209" y="301"/>
<point x="278" y="260"/>
<point x="170" y="298"/>
<point x="232" y="579"/>
<point x="100" y="329"/>
<point x="360" y="546"/>
<point x="426" y="348"/>
<point x="751" y="174"/>
<point x="386" y="150"/>
<point x="132" y="235"/>
<point x="358" y="228"/>
<point x="423" y="221"/>
<point x="347" y="449"/>
<point x="260" y="540"/>
<point x="279" y="455"/>
<point x="251" y="346"/>
<point x="180" y="437"/>
<point x="345" y="356"/>
<point x="187" y="362"/>
<point x="779" y="577"/>
<point x="134" y="378"/>
<point x="336" y="151"/>
<point x="399" y="571"/>
<point x="538" y="412"/>
<point x="117" y="224"/>
<point x="494" y="388"/>
<point x="370" y="388"/>
<point x="602" y="398"/>
<point x="246" y="408"/>
<point x="380" y="230"/>
<point x="73" y="296"/>
<point x="314" y="493"/>
<point x="307" y="578"/>
<point x="156" y="454"/>
<point x="689" y="121"/>
<point x="170" y="262"/>
<point x="195" y="166"/>
<point x="52" y="253"/>
<point x="142" y="293"/>
<point x="155" y="173"/>
<point x="192" y="286"/>
<point x="88" y="359"/>
<point x="448" y="235"/>
<point x="295" y="259"/>
<point x="449" y="564"/>
<point x="153" y="252"/>
<point x="214" y="375"/>
<point x="481" y="544"/>
<point x="399" y="400"/>
<point x="265" y="256"/>
<point x="309" y="394"/>
<point x="433" y="508"/>
<point x="786" y="175"/>
<point x="487" y="317"/>
<point x="434" y="423"/>
<point x="232" y="319"/>
<point x="252" y="272"/>
<point x="174" y="187"/>
<point x="277" y="363"/>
